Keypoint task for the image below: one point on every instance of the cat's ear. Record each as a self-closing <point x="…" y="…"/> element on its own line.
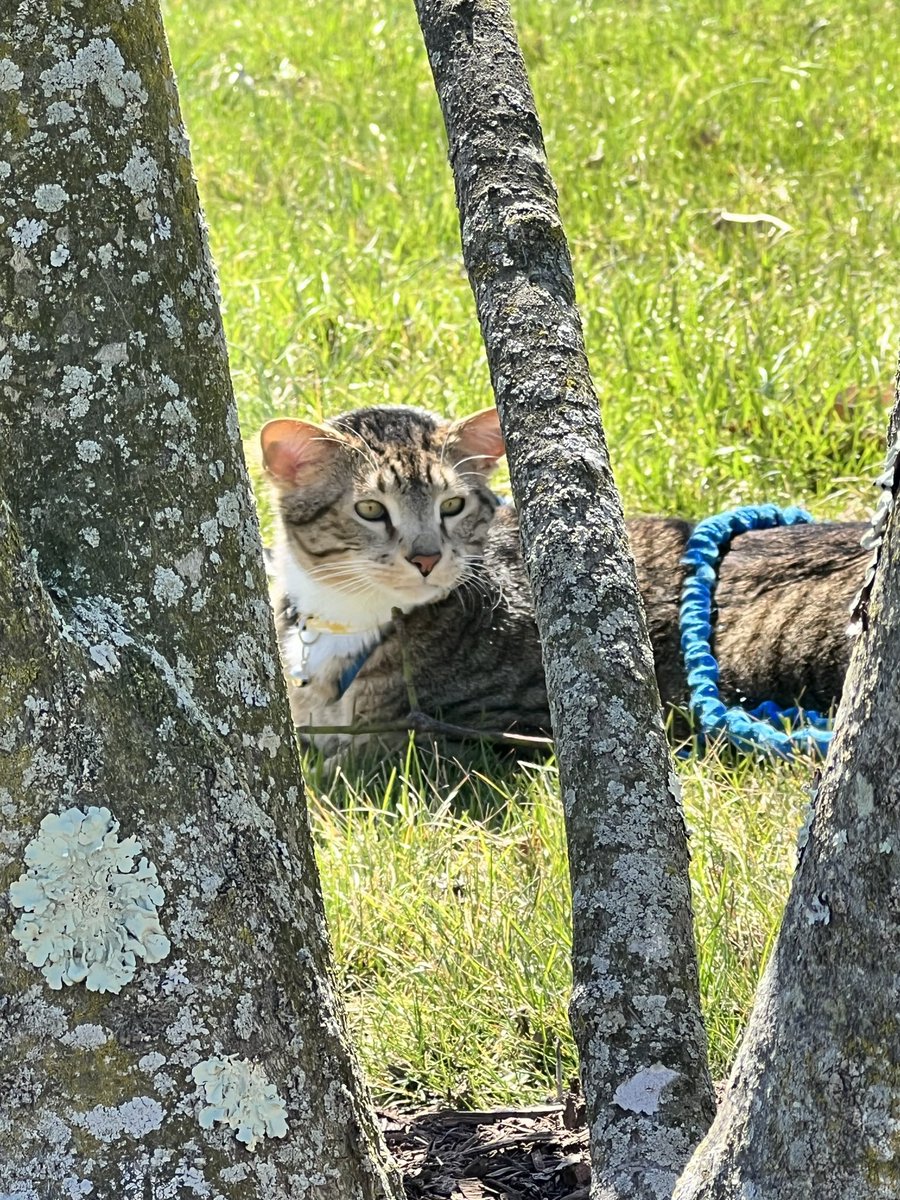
<point x="292" y="449"/>
<point x="477" y="440"/>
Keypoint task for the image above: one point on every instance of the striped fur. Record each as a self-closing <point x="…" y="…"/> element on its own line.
<point x="460" y="642"/>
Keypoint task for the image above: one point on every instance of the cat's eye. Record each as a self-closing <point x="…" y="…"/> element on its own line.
<point x="453" y="506"/>
<point x="370" y="510"/>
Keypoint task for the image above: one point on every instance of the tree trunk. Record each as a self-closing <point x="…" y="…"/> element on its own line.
<point x="169" y="1020"/>
<point x="811" y="1111"/>
<point x="635" y="1007"/>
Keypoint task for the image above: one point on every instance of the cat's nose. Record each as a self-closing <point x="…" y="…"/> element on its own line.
<point x="425" y="562"/>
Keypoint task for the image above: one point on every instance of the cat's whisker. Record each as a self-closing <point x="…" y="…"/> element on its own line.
<point x="469" y="458"/>
<point x="357" y="590"/>
<point x="349" y="583"/>
<point x="467" y="583"/>
<point x="461" y="596"/>
<point x="364" y="449"/>
<point x="335" y="571"/>
<point x="474" y="479"/>
<point x="342" y="570"/>
<point x="343" y="582"/>
<point x="475" y="580"/>
<point x="357" y="587"/>
<point x="476" y="574"/>
<point x="468" y="593"/>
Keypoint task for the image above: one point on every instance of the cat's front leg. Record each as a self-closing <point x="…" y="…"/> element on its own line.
<point x="371" y="715"/>
<point x="318" y="716"/>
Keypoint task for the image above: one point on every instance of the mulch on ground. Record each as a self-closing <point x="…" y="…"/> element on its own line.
<point x="506" y="1154"/>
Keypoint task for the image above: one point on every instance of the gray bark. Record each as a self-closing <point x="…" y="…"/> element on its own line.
<point x="811" y="1110"/>
<point x="139" y="673"/>
<point x="635" y="1007"/>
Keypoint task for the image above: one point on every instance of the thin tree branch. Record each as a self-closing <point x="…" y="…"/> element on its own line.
<point x="635" y="1006"/>
<point x="419" y="722"/>
<point x="406" y="662"/>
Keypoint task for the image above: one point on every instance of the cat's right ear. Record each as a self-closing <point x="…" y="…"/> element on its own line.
<point x="294" y="449"/>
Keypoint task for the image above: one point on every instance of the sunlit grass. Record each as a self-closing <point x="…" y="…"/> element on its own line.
<point x="449" y="907"/>
<point x="733" y="363"/>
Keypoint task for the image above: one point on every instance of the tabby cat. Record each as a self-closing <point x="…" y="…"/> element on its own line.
<point x="399" y="583"/>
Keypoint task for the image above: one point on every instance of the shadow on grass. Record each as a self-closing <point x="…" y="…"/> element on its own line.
<point x="478" y="780"/>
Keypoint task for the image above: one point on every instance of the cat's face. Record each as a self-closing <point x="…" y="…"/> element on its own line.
<point x="389" y="506"/>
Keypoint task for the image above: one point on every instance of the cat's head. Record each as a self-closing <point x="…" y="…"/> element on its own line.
<point x="382" y="507"/>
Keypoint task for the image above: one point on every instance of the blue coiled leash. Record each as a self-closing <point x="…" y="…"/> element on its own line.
<point x="766" y="729"/>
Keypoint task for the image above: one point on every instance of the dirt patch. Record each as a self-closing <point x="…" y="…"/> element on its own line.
<point x="505" y="1154"/>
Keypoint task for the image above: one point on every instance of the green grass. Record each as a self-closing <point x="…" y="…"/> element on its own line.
<point x="448" y="903"/>
<point x="732" y="363"/>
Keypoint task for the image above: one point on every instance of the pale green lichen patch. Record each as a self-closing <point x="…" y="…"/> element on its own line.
<point x="100" y="62"/>
<point x="50" y="197"/>
<point x="238" y="1093"/>
<point x="10" y="75"/>
<point x="136" y="1118"/>
<point x="167" y="587"/>
<point x="26" y="232"/>
<point x="89" y="915"/>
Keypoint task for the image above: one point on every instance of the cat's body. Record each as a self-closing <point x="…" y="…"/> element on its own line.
<point x="399" y="578"/>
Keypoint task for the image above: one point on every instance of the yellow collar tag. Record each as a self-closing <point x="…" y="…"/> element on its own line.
<point x="318" y="625"/>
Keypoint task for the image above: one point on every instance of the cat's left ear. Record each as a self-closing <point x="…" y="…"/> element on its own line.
<point x="477" y="440"/>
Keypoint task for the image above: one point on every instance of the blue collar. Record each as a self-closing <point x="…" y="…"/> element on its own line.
<point x="351" y="671"/>
<point x="300" y="678"/>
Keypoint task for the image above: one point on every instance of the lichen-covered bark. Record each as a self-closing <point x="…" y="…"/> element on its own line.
<point x="138" y="667"/>
<point x="635" y="1008"/>
<point x="812" y="1110"/>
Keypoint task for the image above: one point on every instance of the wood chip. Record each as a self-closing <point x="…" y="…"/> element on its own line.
<point x="470" y="1189"/>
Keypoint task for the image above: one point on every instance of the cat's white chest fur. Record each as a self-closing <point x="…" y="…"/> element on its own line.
<point x="310" y="651"/>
